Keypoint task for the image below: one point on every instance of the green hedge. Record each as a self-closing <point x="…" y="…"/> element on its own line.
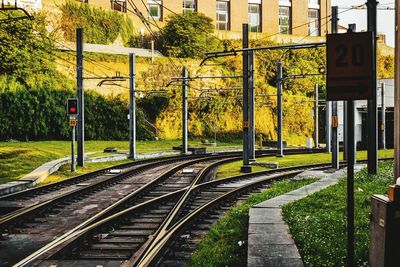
<point x="100" y="26"/>
<point x="41" y="115"/>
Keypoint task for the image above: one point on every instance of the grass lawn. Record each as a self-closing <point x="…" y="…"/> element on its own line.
<point x="220" y="246"/>
<point x="293" y="160"/>
<point x="317" y="222"/>
<point x="19" y="158"/>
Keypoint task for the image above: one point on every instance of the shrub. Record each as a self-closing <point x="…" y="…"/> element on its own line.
<point x="41" y="115"/>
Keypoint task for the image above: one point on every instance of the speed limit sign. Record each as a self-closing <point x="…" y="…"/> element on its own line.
<point x="350" y="66"/>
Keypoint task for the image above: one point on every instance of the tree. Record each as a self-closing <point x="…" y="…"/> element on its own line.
<point x="188" y="35"/>
<point x="27" y="51"/>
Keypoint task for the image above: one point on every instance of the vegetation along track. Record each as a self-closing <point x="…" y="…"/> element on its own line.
<point x="140" y="234"/>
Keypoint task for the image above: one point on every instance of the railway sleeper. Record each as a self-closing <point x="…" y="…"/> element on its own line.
<point x="140" y="226"/>
<point x="101" y="254"/>
<point x="152" y="215"/>
<point x="173" y="263"/>
<point x="114" y="246"/>
<point x="125" y="239"/>
<point x="145" y="220"/>
<point x="132" y="233"/>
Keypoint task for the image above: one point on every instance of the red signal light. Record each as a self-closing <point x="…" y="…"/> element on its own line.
<point x="72" y="106"/>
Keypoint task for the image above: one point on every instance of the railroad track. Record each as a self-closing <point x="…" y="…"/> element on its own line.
<point x="140" y="234"/>
<point x="28" y="229"/>
<point x="16" y="201"/>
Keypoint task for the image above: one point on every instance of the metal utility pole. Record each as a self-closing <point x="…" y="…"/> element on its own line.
<point x="397" y="95"/>
<point x="279" y="85"/>
<point x="184" y="111"/>
<point x="328" y="121"/>
<point x="245" y="43"/>
<point x="252" y="145"/>
<point x="383" y="116"/>
<point x="316" y="141"/>
<point x="372" y="104"/>
<point x="350" y="185"/>
<point x="132" y="108"/>
<point x="335" y="120"/>
<point x="81" y="105"/>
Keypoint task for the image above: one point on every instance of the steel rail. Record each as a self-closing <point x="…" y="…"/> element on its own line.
<point x="160" y="242"/>
<point x="82" y="178"/>
<point x="151" y="257"/>
<point x="128" y="200"/>
<point x="73" y="236"/>
<point x="24" y="213"/>
<point x="45" y="189"/>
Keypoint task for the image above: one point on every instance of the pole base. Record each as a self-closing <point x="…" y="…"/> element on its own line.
<point x="246" y="169"/>
<point x="252" y="161"/>
<point x="279" y="155"/>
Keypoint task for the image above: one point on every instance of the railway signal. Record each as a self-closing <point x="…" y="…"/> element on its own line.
<point x="72" y="106"/>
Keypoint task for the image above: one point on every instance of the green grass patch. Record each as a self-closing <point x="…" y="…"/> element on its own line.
<point x="318" y="222"/>
<point x="233" y="168"/>
<point x="220" y="246"/>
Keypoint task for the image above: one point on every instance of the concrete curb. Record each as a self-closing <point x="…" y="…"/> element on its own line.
<point x="42" y="172"/>
<point x="269" y="239"/>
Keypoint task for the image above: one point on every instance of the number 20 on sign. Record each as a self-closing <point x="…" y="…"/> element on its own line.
<point x="350" y="66"/>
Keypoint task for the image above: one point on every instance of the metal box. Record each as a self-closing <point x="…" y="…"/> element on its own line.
<point x="385" y="232"/>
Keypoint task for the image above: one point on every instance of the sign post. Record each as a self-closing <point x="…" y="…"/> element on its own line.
<point x="349" y="78"/>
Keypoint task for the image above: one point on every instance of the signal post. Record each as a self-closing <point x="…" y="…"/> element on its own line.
<point x="72" y="112"/>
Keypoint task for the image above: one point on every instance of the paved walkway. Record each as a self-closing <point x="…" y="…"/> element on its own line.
<point x="269" y="240"/>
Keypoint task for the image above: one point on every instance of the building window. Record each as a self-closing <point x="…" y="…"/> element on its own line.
<point x="83" y="1"/>
<point x="313" y="22"/>
<point x="222" y="15"/>
<point x="154" y="9"/>
<point x="285" y="21"/>
<point x="118" y="5"/>
<point x="254" y="17"/>
<point x="189" y="6"/>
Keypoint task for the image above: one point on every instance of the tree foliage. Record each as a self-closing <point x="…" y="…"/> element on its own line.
<point x="26" y="51"/>
<point x="188" y="35"/>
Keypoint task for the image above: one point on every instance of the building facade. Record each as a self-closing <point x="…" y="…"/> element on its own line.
<point x="297" y="17"/>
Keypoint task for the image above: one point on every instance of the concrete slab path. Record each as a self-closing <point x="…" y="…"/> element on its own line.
<point x="269" y="240"/>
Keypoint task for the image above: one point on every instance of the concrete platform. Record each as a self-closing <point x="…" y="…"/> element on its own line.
<point x="269" y="241"/>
